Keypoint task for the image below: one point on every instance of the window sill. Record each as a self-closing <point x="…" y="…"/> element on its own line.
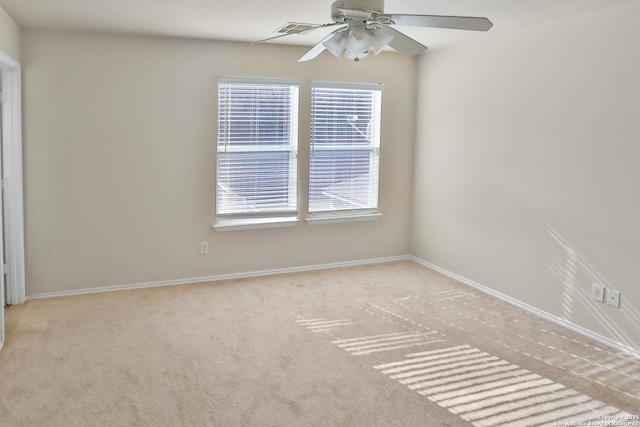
<point x="336" y="218"/>
<point x="254" y="223"/>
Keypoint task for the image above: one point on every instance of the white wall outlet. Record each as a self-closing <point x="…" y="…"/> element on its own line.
<point x="204" y="248"/>
<point x="613" y="298"/>
<point x="597" y="292"/>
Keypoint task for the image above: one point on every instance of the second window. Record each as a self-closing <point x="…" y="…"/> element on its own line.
<point x="345" y="148"/>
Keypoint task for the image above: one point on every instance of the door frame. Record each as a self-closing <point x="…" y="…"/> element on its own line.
<point x="13" y="206"/>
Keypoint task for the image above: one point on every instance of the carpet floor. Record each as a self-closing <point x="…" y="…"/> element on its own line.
<point x="381" y="345"/>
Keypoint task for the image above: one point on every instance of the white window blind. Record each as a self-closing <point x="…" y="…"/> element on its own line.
<point x="257" y="148"/>
<point x="345" y="147"/>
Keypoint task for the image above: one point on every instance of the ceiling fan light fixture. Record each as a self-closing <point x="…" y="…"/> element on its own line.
<point x="359" y="39"/>
<point x="336" y="44"/>
<point x="380" y="40"/>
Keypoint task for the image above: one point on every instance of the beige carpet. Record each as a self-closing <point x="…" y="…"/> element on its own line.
<point x="385" y="345"/>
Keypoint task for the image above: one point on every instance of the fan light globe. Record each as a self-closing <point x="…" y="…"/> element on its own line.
<point x="336" y="43"/>
<point x="379" y="41"/>
<point x="359" y="40"/>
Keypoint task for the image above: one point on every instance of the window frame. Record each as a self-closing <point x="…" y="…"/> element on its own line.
<point x="316" y="216"/>
<point x="287" y="215"/>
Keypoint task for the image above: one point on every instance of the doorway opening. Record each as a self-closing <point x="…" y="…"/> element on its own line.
<point x="12" y="270"/>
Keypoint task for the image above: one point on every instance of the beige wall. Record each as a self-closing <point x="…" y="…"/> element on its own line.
<point x="9" y="36"/>
<point x="528" y="164"/>
<point x="120" y="135"/>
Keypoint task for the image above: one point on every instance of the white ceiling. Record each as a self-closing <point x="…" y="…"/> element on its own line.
<point x="252" y="20"/>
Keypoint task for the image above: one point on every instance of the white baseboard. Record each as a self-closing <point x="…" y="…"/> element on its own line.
<point x="579" y="329"/>
<point x="576" y="328"/>
<point x="219" y="277"/>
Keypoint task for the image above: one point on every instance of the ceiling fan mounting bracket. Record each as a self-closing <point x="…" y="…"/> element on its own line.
<point x="345" y="10"/>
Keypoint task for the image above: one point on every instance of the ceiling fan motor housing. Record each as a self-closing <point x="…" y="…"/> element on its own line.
<point x="339" y="7"/>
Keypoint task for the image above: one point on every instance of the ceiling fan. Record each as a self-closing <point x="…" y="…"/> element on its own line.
<point x="366" y="28"/>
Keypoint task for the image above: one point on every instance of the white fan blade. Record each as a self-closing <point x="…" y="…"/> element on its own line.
<point x="319" y="48"/>
<point x="331" y="24"/>
<point x="313" y="53"/>
<point x="266" y="40"/>
<point x="435" y="21"/>
<point x="403" y="43"/>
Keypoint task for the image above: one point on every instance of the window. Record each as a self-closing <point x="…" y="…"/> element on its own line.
<point x="345" y="148"/>
<point x="257" y="149"/>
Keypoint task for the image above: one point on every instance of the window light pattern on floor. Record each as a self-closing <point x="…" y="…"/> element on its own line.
<point x="475" y="383"/>
<point x="488" y="391"/>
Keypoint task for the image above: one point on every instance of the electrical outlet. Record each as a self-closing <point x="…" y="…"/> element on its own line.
<point x="597" y="292"/>
<point x="613" y="298"/>
<point x="204" y="248"/>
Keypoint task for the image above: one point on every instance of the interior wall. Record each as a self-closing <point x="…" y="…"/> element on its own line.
<point x="9" y="36"/>
<point x="527" y="166"/>
<point x="120" y="144"/>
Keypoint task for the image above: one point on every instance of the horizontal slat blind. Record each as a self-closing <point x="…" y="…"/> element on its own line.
<point x="257" y="148"/>
<point x="345" y="141"/>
